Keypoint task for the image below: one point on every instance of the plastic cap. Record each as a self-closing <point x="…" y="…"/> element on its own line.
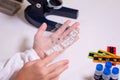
<point x="115" y="70"/>
<point x="99" y="67"/>
<point x="106" y="71"/>
<point x="108" y="64"/>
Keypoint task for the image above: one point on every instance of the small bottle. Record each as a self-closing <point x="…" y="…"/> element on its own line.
<point x="115" y="74"/>
<point x="108" y="65"/>
<point x="106" y="74"/>
<point x="98" y="72"/>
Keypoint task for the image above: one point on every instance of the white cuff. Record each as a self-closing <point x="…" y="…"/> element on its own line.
<point x="31" y="55"/>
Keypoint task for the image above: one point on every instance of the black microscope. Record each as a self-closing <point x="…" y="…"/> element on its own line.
<point x="38" y="10"/>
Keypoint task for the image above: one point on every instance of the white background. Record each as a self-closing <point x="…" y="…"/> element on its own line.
<point x="100" y="27"/>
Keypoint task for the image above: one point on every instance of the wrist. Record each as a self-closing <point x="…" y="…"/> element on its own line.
<point x="39" y="52"/>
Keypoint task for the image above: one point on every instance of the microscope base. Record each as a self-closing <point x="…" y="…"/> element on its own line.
<point x="36" y="20"/>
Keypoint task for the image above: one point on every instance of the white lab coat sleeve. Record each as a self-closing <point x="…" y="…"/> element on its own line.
<point x="15" y="63"/>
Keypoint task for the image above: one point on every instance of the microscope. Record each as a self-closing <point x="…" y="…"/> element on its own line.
<point x="38" y="10"/>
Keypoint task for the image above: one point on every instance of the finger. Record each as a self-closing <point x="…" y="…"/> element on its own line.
<point x="74" y="26"/>
<point x="67" y="43"/>
<point x="57" y="72"/>
<point x="61" y="29"/>
<point x="75" y="39"/>
<point x="66" y="34"/>
<point x="57" y="64"/>
<point x="50" y="58"/>
<point x="42" y="29"/>
<point x="57" y="78"/>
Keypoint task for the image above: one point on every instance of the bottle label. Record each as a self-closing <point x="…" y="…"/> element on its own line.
<point x="97" y="77"/>
<point x="113" y="79"/>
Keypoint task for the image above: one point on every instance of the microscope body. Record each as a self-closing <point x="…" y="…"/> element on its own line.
<point x="38" y="10"/>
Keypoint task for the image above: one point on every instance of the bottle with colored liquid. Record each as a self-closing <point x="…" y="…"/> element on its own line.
<point x="106" y="74"/>
<point x="98" y="72"/>
<point x="115" y="74"/>
<point x="108" y="65"/>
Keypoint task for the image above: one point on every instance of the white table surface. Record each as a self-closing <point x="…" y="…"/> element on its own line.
<point x="100" y="27"/>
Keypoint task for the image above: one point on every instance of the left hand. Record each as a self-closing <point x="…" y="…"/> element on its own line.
<point x="42" y="42"/>
<point x="40" y="70"/>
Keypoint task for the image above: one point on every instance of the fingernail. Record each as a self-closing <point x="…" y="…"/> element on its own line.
<point x="44" y="23"/>
<point x="66" y="62"/>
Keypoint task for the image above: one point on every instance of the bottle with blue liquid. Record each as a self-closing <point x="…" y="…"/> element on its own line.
<point x="108" y="65"/>
<point x="115" y="74"/>
<point x="106" y="74"/>
<point x="98" y="72"/>
<point x="107" y="71"/>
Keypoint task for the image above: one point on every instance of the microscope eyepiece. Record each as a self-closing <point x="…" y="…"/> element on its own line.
<point x="56" y="4"/>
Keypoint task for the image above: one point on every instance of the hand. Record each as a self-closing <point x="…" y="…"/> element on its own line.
<point x="42" y="43"/>
<point x="40" y="70"/>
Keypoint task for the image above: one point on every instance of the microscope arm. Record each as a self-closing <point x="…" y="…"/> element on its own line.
<point x="64" y="12"/>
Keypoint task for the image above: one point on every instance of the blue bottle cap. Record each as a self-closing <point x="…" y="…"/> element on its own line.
<point x="106" y="71"/>
<point x="115" y="70"/>
<point x="108" y="64"/>
<point x="99" y="67"/>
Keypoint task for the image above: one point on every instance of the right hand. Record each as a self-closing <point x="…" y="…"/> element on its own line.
<point x="40" y="70"/>
<point x="43" y="43"/>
